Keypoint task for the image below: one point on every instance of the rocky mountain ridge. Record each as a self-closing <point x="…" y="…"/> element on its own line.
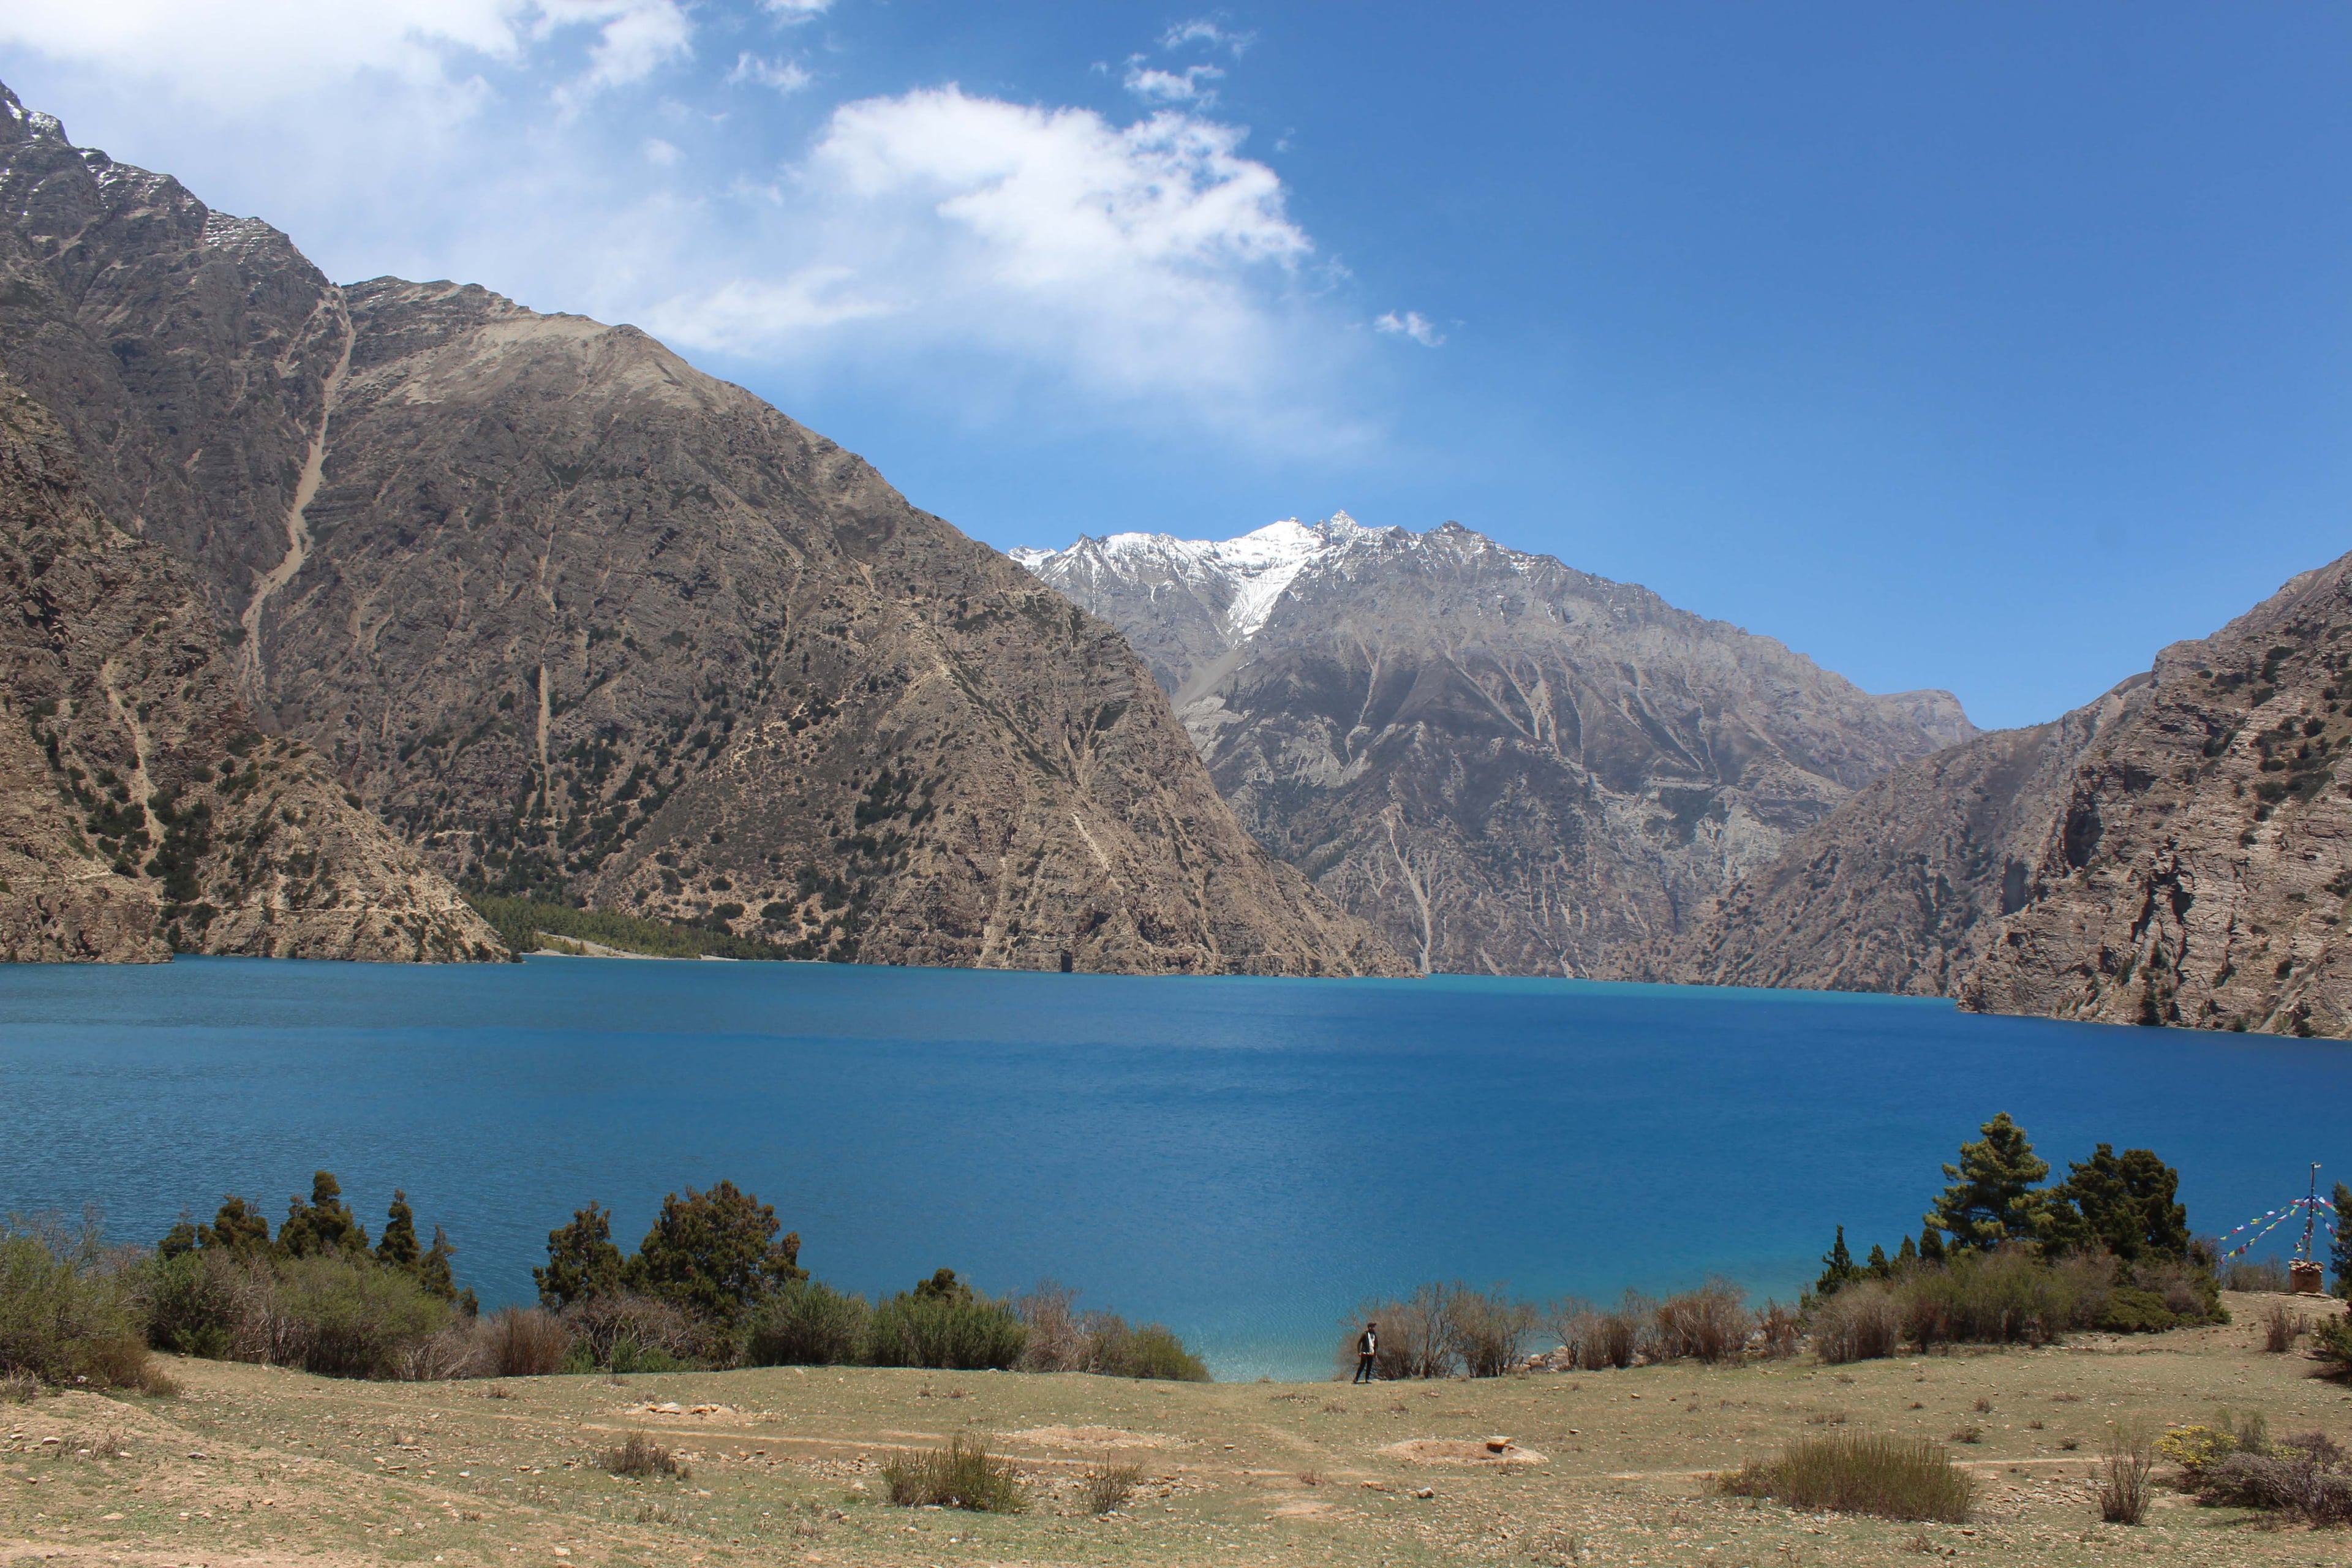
<point x="582" y="623"/>
<point x="1503" y="763"/>
<point x="141" y="811"/>
<point x="2178" y="851"/>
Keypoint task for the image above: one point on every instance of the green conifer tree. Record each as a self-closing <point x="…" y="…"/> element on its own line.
<point x="398" y="1246"/>
<point x="2124" y="1205"/>
<point x="582" y="1261"/>
<point x="713" y="1253"/>
<point x="1931" y="1245"/>
<point x="236" y="1228"/>
<point x="1879" y="1266"/>
<point x="432" y="1266"/>
<point x="1992" y="1198"/>
<point x="324" y="1224"/>
<point x="180" y="1239"/>
<point x="1837" y="1267"/>
<point x="1906" y="1253"/>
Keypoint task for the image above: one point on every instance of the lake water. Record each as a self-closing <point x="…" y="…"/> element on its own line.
<point x="1243" y="1159"/>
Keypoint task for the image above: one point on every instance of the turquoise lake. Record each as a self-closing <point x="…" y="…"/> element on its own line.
<point x="1245" y="1159"/>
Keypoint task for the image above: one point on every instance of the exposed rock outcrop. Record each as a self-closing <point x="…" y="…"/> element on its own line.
<point x="2177" y="852"/>
<point x="585" y="623"/>
<point x="141" y="811"/>
<point x="1503" y="763"/>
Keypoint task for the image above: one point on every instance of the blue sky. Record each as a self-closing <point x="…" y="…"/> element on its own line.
<point x="1985" y="347"/>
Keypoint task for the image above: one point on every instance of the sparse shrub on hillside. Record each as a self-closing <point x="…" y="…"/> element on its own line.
<point x="643" y="1458"/>
<point x="943" y="1324"/>
<point x="67" y="1310"/>
<point x="2331" y="1342"/>
<point x="961" y="1475"/>
<point x="624" y="1332"/>
<point x="1061" y="1338"/>
<point x="1861" y="1322"/>
<point x="808" y="1323"/>
<point x="2281" y="1326"/>
<point x="1487" y="1328"/>
<point x="1889" y="1478"/>
<point x="1107" y="1485"/>
<point x="522" y="1342"/>
<point x="2120" y="1483"/>
<point x="1709" y="1324"/>
<point x="2305" y="1477"/>
<point x="1778" y="1330"/>
<point x="342" y="1316"/>
<point x="2255" y="1275"/>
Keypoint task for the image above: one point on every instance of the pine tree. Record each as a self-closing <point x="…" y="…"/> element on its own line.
<point x="398" y="1247"/>
<point x="236" y="1228"/>
<point x="324" y="1224"/>
<point x="1877" y="1265"/>
<point x="1931" y="1245"/>
<point x="712" y="1254"/>
<point x="2339" y="1254"/>
<point x="1992" y="1198"/>
<point x="433" y="1266"/>
<point x="582" y="1261"/>
<point x="1837" y="1268"/>
<point x="2124" y="1205"/>
<point x="1906" y="1253"/>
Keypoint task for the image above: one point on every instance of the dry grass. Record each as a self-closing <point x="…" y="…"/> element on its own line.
<point x="2122" y="1476"/>
<point x="2281" y="1326"/>
<point x="523" y="1343"/>
<point x="643" y="1457"/>
<point x="961" y="1475"/>
<point x="1106" y="1486"/>
<point x="1887" y="1477"/>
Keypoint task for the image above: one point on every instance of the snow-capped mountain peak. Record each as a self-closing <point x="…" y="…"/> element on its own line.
<point x="1238" y="581"/>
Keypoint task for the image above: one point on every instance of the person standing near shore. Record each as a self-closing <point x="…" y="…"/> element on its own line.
<point x="1368" y="1346"/>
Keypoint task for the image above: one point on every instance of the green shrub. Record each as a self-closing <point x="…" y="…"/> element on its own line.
<point x="2007" y="1296"/>
<point x="714" y="1253"/>
<point x="193" y="1303"/>
<point x="947" y="1331"/>
<point x="1152" y="1351"/>
<point x="628" y="1333"/>
<point x="344" y="1316"/>
<point x="961" y="1475"/>
<point x="66" y="1313"/>
<point x="2331" y="1342"/>
<point x="1107" y="1485"/>
<point x="1889" y="1478"/>
<point x="806" y="1323"/>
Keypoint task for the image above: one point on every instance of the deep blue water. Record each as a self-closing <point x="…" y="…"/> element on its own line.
<point x="1243" y="1159"/>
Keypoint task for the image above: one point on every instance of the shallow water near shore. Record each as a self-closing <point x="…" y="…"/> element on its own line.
<point x="1243" y="1159"/>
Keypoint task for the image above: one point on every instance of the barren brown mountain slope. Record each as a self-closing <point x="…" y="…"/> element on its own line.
<point x="585" y="623"/>
<point x="139" y="809"/>
<point x="2177" y="852"/>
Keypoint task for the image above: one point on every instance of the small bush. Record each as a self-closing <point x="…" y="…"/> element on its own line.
<point x="2281" y="1326"/>
<point x="18" y="1387"/>
<point x="2304" y="1478"/>
<point x="1108" y="1486"/>
<point x="1889" y="1478"/>
<point x="642" y="1456"/>
<point x="961" y="1475"/>
<point x="1861" y="1322"/>
<point x="66" y="1310"/>
<point x="2004" y="1296"/>
<point x="2120" y="1482"/>
<point x="967" y="1334"/>
<point x="522" y="1342"/>
<point x="1708" y="1324"/>
<point x="1485" y="1328"/>
<point x="1777" y="1330"/>
<point x="1061" y="1338"/>
<point x="344" y="1316"/>
<point x="1150" y="1352"/>
<point x="806" y="1323"/>
<point x="2331" y="1342"/>
<point x="2257" y="1275"/>
<point x="623" y="1332"/>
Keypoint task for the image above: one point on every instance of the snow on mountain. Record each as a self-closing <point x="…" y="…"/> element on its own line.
<point x="1238" y="582"/>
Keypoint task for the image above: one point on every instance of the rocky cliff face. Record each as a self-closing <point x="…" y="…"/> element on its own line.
<point x="141" y="811"/>
<point x="1501" y="762"/>
<point x="583" y="622"/>
<point x="2177" y="852"/>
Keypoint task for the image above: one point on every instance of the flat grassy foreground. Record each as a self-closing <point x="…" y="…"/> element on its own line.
<point x="251" y="1465"/>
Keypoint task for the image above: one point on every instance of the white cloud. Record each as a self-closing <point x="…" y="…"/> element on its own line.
<point x="784" y="75"/>
<point x="995" y="259"/>
<point x="1140" y="261"/>
<point x="1153" y="85"/>
<point x="796" y="10"/>
<point x="1202" y="30"/>
<point x="1411" y="324"/>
